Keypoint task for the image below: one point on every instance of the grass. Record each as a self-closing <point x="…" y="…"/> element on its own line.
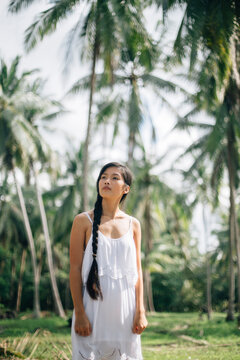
<point x="185" y="337"/>
<point x="169" y="336"/>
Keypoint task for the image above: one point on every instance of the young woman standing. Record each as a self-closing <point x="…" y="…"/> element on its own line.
<point x="106" y="275"/>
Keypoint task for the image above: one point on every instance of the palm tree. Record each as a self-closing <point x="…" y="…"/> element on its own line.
<point x="105" y="27"/>
<point x="198" y="183"/>
<point x="12" y="233"/>
<point x="160" y="209"/>
<point x="17" y="141"/>
<point x="219" y="145"/>
<point x="68" y="196"/>
<point x="213" y="27"/>
<point x="30" y="108"/>
<point x="35" y="110"/>
<point x="124" y="101"/>
<point x="65" y="201"/>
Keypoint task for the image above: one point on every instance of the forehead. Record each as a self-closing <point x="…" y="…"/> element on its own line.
<point x="112" y="171"/>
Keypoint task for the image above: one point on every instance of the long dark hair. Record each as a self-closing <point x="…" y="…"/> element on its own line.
<point x="93" y="283"/>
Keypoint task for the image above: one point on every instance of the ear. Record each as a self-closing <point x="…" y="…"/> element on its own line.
<point x="127" y="188"/>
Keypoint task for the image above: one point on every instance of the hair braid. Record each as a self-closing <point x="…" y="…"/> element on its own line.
<point x="93" y="284"/>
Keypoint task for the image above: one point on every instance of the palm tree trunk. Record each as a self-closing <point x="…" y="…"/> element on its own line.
<point x="145" y="297"/>
<point x="149" y="291"/>
<point x="131" y="146"/>
<point x="237" y="239"/>
<point x="36" y="276"/>
<point x="89" y="126"/>
<point x="148" y="249"/>
<point x="234" y="44"/>
<point x="209" y="288"/>
<point x="13" y="276"/>
<point x="234" y="41"/>
<point x="230" y="313"/>
<point x="22" y="268"/>
<point x="208" y="267"/>
<point x="56" y="296"/>
<point x="131" y="125"/>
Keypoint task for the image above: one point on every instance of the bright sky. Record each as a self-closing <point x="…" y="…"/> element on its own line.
<point x="48" y="56"/>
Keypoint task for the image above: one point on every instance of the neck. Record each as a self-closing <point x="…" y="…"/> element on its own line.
<point x="110" y="208"/>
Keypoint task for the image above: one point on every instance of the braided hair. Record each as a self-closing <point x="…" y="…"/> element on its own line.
<point x="93" y="283"/>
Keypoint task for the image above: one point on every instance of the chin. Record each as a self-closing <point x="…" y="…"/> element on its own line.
<point x="104" y="195"/>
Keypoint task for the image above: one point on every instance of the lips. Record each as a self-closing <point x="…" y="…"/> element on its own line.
<point x="106" y="188"/>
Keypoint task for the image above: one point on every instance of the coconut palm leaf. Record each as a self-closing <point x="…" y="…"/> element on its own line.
<point x="16" y="5"/>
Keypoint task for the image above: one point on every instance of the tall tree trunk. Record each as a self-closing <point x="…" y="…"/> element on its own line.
<point x="148" y="297"/>
<point x="148" y="248"/>
<point x="230" y="313"/>
<point x="67" y="296"/>
<point x="237" y="239"/>
<point x="56" y="296"/>
<point x="131" y="123"/>
<point x="36" y="277"/>
<point x="208" y="267"/>
<point x="13" y="277"/>
<point x="89" y="126"/>
<point x="131" y="146"/>
<point x="234" y="47"/>
<point x="235" y="57"/>
<point x="22" y="268"/>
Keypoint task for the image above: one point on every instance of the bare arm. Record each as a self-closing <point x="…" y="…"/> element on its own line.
<point x="140" y="321"/>
<point x="82" y="325"/>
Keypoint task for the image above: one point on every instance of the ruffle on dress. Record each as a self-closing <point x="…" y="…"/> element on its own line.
<point x="110" y="252"/>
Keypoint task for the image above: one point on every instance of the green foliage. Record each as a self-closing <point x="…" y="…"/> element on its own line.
<point x="5" y="275"/>
<point x="115" y="32"/>
<point x="168" y="335"/>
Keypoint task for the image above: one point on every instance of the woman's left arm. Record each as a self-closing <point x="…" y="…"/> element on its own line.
<point x="140" y="322"/>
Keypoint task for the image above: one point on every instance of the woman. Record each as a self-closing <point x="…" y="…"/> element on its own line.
<point x="106" y="275"/>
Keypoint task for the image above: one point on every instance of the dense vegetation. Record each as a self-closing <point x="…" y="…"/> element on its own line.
<point x="36" y="217"/>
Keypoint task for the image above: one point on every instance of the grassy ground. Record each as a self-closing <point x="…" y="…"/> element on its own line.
<point x="168" y="336"/>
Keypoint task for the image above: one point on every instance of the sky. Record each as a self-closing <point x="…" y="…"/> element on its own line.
<point x="70" y="129"/>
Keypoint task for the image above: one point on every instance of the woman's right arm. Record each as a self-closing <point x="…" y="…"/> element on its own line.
<point x="82" y="325"/>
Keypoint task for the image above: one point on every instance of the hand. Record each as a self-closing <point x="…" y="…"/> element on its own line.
<point x="82" y="325"/>
<point x="139" y="322"/>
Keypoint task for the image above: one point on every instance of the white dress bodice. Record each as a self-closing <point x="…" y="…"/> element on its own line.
<point x="116" y="257"/>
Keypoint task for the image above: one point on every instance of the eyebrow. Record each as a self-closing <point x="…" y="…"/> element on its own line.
<point x="112" y="174"/>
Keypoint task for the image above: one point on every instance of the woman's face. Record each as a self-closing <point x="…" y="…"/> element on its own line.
<point x="111" y="183"/>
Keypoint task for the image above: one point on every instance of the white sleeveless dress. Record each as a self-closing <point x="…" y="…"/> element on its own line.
<point x="111" y="318"/>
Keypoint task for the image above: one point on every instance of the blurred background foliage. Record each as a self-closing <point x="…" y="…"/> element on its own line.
<point x="41" y="191"/>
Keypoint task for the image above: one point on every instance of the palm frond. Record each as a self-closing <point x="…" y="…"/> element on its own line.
<point x="84" y="84"/>
<point x="184" y="123"/>
<point x="16" y="5"/>
<point x="47" y="21"/>
<point x="217" y="173"/>
<point x="70" y="41"/>
<point x="197" y="145"/>
<point x="179" y="44"/>
<point x="54" y="115"/>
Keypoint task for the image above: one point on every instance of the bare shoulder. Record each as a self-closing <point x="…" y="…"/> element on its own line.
<point x="81" y="220"/>
<point x="136" y="225"/>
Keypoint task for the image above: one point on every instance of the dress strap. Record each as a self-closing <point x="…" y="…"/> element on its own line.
<point x="88" y="216"/>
